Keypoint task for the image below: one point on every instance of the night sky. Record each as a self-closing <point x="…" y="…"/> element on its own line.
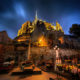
<point x="13" y="13"/>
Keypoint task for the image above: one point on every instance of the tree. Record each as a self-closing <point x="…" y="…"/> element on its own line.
<point x="75" y="30"/>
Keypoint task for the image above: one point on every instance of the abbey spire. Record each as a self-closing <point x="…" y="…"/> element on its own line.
<point x="36" y="16"/>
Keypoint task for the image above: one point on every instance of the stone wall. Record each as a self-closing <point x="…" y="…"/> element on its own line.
<point x="50" y="53"/>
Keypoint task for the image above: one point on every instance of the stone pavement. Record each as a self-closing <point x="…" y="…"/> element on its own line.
<point x="42" y="76"/>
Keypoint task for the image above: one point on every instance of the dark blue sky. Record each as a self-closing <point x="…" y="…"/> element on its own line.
<point x="13" y="13"/>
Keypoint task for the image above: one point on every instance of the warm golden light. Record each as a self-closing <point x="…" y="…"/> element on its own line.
<point x="20" y="40"/>
<point x="61" y="40"/>
<point x="42" y="41"/>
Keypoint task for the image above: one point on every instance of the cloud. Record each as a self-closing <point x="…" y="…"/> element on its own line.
<point x="19" y="10"/>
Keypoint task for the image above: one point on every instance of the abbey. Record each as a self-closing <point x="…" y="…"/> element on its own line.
<point x="29" y="27"/>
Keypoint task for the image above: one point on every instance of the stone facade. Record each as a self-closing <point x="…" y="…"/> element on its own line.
<point x="72" y="42"/>
<point x="6" y="46"/>
<point x="4" y="37"/>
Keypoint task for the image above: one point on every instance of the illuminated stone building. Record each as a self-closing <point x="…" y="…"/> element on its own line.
<point x="39" y="28"/>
